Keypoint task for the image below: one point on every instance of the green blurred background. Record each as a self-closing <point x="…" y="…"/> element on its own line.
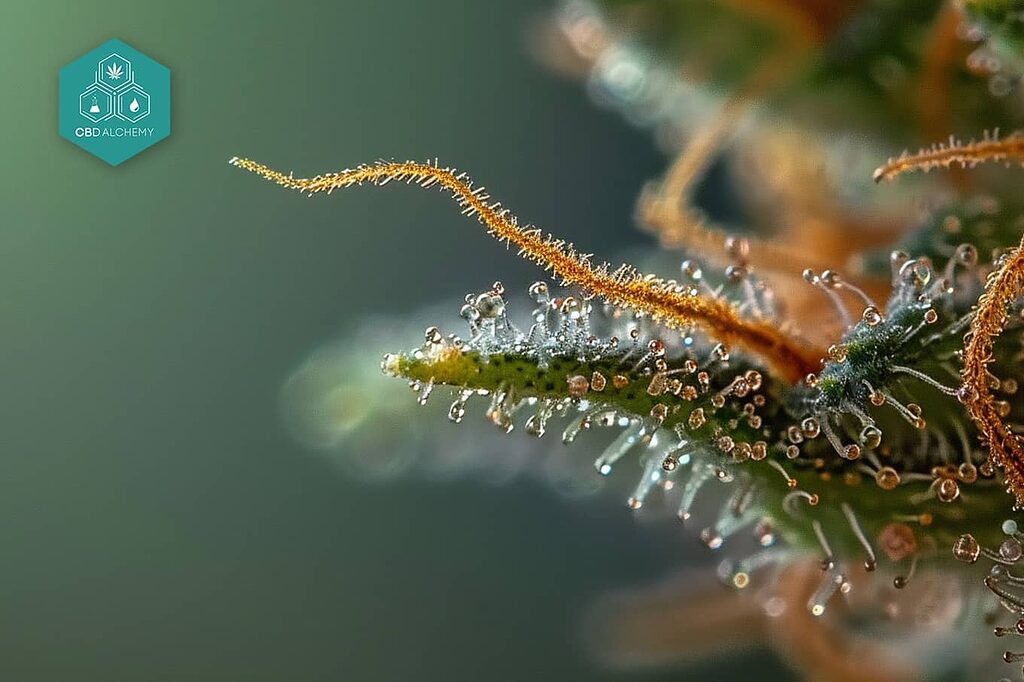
<point x="157" y="522"/>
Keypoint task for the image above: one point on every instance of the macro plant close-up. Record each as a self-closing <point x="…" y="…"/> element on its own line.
<point x="835" y="363"/>
<point x="537" y="340"/>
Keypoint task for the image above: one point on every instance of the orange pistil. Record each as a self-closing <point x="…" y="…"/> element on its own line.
<point x="990" y="317"/>
<point x="989" y="149"/>
<point x="665" y="302"/>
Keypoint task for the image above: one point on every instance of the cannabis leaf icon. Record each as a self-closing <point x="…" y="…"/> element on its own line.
<point x="114" y="72"/>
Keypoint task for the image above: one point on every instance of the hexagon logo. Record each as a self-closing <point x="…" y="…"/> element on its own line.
<point x="95" y="103"/>
<point x="133" y="104"/>
<point x="114" y="102"/>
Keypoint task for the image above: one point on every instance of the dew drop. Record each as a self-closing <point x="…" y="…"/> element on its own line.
<point x="538" y="291"/>
<point x="765" y="533"/>
<point x="691" y="270"/>
<point x="735" y="273"/>
<point x="1010" y="550"/>
<point x="966" y="548"/>
<point x="948" y="490"/>
<point x="887" y="478"/>
<point x="870" y="437"/>
<point x="711" y="538"/>
<point x="836" y="352"/>
<point x="871" y="316"/>
<point x="457" y="411"/>
<point x="966" y="394"/>
<point x="469" y="313"/>
<point x="967" y="472"/>
<point x="433" y="336"/>
<point x="490" y="305"/>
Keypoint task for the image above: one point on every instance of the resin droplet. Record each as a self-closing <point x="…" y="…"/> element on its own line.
<point x="870" y="437"/>
<point x="810" y="427"/>
<point x="711" y="538"/>
<point x="887" y="478"/>
<point x="457" y="411"/>
<point x="966" y="548"/>
<point x="871" y="316"/>
<point x="1010" y="550"/>
<point x="538" y="291"/>
<point x="490" y="305"/>
<point x="948" y="490"/>
<point x="765" y="533"/>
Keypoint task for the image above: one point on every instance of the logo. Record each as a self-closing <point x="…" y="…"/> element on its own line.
<point x="114" y="102"/>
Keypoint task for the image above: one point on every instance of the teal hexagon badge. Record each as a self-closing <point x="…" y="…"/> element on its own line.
<point x="114" y="102"/>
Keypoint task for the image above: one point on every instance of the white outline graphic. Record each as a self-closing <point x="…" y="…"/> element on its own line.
<point x="105" y="76"/>
<point x="139" y="99"/>
<point x="114" y="95"/>
<point x="93" y="95"/>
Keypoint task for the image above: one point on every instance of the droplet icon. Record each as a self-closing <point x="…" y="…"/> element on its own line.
<point x="134" y="106"/>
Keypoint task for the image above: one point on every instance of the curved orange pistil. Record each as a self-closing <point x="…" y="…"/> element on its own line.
<point x="624" y="286"/>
